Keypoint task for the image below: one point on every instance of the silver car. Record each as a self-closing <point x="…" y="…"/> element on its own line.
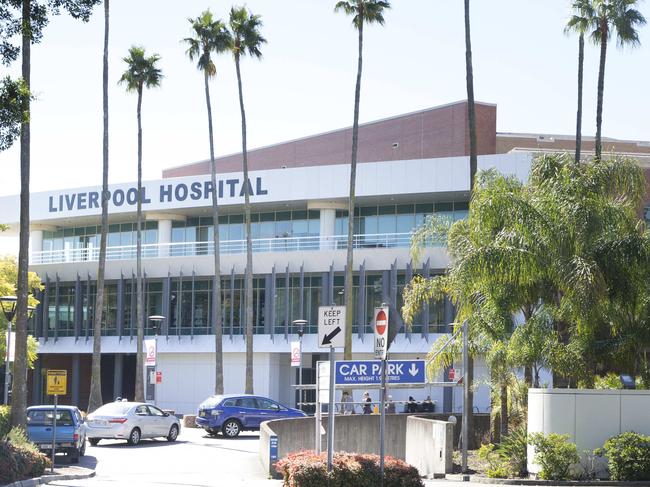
<point x="130" y="421"/>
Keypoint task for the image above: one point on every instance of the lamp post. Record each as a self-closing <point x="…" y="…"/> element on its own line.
<point x="156" y="320"/>
<point x="8" y="304"/>
<point x="301" y="331"/>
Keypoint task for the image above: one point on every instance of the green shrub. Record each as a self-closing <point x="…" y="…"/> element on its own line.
<point x="20" y="463"/>
<point x="306" y="469"/>
<point x="555" y="454"/>
<point x="610" y="381"/>
<point x="497" y="468"/>
<point x="628" y="456"/>
<point x="5" y="426"/>
<point x="513" y="449"/>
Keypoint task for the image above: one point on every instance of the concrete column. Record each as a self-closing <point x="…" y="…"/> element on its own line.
<point x="37" y="240"/>
<point x="75" y="380"/>
<point x="327" y="220"/>
<point x="164" y="237"/>
<point x="37" y="382"/>
<point x="118" y="372"/>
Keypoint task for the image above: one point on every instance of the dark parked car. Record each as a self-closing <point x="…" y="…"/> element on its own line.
<point x="233" y="413"/>
<point x="70" y="430"/>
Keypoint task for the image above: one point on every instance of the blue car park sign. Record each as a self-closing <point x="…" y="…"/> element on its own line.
<point x="368" y="372"/>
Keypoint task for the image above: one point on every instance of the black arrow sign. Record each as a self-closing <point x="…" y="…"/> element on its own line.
<point x="327" y="339"/>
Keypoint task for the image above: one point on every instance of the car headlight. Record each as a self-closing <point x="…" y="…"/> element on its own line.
<point x="216" y="412"/>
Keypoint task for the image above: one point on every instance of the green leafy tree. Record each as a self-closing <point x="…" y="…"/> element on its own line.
<point x="609" y="17"/>
<point x="363" y="12"/>
<point x="246" y="39"/>
<point x="211" y="37"/>
<point x="12" y="94"/>
<point x="579" y="23"/>
<point x="557" y="251"/>
<point x="142" y="72"/>
<point x="95" y="398"/>
<point x="27" y="18"/>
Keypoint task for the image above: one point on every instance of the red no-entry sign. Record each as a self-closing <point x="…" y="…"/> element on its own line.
<point x="381" y="332"/>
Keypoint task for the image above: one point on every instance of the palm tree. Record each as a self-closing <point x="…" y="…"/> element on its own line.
<point x="141" y="73"/>
<point x="246" y="39"/>
<point x="19" y="395"/>
<point x="611" y="16"/>
<point x="579" y="23"/>
<point x="473" y="166"/>
<point x="363" y="12"/>
<point x="211" y="36"/>
<point x="471" y="108"/>
<point x="95" y="399"/>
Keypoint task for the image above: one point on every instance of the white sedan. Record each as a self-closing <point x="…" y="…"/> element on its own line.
<point x="130" y="421"/>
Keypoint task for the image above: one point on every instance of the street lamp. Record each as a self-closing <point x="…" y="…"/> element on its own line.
<point x="301" y="331"/>
<point x="8" y="304"/>
<point x="156" y="320"/>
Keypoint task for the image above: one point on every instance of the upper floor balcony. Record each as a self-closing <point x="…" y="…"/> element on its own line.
<point x="202" y="248"/>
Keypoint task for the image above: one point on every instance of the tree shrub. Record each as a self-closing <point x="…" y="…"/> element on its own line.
<point x="5" y="426"/>
<point x="555" y="454"/>
<point x="20" y="462"/>
<point x="628" y="456"/>
<point x="306" y="469"/>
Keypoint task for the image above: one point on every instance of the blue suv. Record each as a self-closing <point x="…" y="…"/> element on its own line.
<point x="234" y="413"/>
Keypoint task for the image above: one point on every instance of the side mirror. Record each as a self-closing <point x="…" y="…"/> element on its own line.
<point x="165" y="414"/>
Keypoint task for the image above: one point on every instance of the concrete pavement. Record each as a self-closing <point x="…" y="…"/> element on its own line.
<point x="194" y="460"/>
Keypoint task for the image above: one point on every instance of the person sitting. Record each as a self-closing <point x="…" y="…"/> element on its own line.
<point x="428" y="406"/>
<point x="411" y="406"/>
<point x="390" y="406"/>
<point x="367" y="403"/>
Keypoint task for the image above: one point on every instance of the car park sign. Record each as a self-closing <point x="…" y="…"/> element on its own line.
<point x="368" y="372"/>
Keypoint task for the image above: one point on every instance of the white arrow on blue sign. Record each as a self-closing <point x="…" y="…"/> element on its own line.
<point x="368" y="372"/>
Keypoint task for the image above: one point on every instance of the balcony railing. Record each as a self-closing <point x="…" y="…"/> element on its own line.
<point x="184" y="249"/>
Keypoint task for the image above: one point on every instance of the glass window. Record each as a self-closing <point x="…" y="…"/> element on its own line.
<point x="246" y="402"/>
<point x="267" y="405"/>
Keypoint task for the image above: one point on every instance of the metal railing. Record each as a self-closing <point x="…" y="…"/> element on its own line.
<point x="183" y="249"/>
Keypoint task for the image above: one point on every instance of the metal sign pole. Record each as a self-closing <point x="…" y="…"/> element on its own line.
<point x="300" y="399"/>
<point x="7" y="373"/>
<point x="330" y="416"/>
<point x="54" y="433"/>
<point x="466" y="413"/>
<point x="317" y="412"/>
<point x="382" y="420"/>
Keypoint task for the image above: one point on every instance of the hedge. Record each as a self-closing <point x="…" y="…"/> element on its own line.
<point x="20" y="463"/>
<point x="306" y="469"/>
<point x="628" y="456"/>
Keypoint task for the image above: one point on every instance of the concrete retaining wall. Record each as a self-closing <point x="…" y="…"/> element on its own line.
<point x="355" y="433"/>
<point x="429" y="445"/>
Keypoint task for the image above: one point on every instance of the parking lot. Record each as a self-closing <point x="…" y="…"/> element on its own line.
<point x="195" y="459"/>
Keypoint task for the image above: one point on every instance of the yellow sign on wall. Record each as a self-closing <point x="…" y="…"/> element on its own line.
<point x="57" y="382"/>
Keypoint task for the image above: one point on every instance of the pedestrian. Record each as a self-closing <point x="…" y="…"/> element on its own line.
<point x="427" y="405"/>
<point x="367" y="403"/>
<point x="390" y="408"/>
<point x="346" y="403"/>
<point x="412" y="406"/>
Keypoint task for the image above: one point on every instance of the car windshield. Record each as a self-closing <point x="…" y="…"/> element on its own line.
<point x="113" y="408"/>
<point x="43" y="417"/>
<point x="211" y="401"/>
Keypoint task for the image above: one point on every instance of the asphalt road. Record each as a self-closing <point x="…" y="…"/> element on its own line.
<point x="195" y="460"/>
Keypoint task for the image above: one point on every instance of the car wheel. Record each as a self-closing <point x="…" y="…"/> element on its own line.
<point x="231" y="428"/>
<point x="73" y="456"/>
<point x="93" y="441"/>
<point x="134" y="437"/>
<point x="173" y="433"/>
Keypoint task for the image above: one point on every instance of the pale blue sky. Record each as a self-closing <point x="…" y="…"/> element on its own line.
<point x="523" y="62"/>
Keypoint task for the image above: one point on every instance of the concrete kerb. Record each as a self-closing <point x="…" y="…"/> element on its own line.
<point x="46" y="479"/>
<point x="485" y="480"/>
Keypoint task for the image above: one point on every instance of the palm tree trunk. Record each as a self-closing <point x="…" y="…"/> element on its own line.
<point x="249" y="243"/>
<point x="349" y="309"/>
<point x="139" y="312"/>
<point x="19" y="394"/>
<point x="581" y="62"/>
<point x="95" y="399"/>
<point x="601" y="86"/>
<point x="504" y="410"/>
<point x="471" y="109"/>
<point x="216" y="313"/>
<point x="473" y="167"/>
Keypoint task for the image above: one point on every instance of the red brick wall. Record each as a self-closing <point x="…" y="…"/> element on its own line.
<point x="437" y="132"/>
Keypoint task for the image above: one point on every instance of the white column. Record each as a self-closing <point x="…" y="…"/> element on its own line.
<point x="37" y="240"/>
<point x="164" y="237"/>
<point x="327" y="220"/>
